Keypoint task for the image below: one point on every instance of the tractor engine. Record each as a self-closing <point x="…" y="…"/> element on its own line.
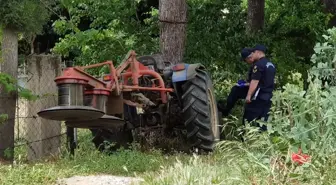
<point x="154" y="114"/>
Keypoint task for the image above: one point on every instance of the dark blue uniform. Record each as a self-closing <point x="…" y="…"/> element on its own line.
<point x="259" y="107"/>
<point x="236" y="92"/>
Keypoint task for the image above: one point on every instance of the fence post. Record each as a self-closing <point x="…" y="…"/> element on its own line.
<point x="44" y="136"/>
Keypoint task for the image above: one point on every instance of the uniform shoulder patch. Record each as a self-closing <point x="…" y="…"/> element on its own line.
<point x="268" y="64"/>
<point x="255" y="69"/>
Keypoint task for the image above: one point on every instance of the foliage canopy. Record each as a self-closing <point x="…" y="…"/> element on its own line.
<point x="215" y="34"/>
<point x="113" y="30"/>
<point x="24" y="15"/>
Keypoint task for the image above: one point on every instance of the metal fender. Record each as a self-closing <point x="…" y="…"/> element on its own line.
<point x="184" y="72"/>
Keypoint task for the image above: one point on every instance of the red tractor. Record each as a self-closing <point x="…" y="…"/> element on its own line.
<point x="139" y="95"/>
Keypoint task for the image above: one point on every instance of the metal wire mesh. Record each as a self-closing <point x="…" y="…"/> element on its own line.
<point x="35" y="137"/>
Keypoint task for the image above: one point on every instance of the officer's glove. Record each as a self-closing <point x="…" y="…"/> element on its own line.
<point x="241" y="83"/>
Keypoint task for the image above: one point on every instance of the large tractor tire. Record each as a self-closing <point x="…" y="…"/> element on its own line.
<point x="200" y="112"/>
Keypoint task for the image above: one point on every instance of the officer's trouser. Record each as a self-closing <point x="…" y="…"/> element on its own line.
<point x="235" y="94"/>
<point x="256" y="110"/>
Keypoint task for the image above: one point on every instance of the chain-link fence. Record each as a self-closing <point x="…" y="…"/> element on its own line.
<point x="35" y="137"/>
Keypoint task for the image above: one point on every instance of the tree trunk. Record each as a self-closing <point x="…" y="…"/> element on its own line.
<point x="255" y="16"/>
<point x="8" y="65"/>
<point x="173" y="18"/>
<point x="330" y="7"/>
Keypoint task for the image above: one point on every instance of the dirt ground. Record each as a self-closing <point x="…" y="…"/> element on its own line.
<point x="99" y="180"/>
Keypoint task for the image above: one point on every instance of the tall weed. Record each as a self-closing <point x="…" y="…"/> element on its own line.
<point x="299" y="120"/>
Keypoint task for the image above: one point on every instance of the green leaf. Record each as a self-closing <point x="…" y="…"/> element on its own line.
<point x="294" y="175"/>
<point x="3" y="118"/>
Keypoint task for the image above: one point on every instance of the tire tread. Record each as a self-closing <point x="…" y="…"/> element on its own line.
<point x="196" y="112"/>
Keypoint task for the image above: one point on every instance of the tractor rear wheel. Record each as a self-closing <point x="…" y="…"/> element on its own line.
<point x="200" y="112"/>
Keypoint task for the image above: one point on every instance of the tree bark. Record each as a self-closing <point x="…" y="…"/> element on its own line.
<point x="255" y="15"/>
<point x="330" y="7"/>
<point x="173" y="21"/>
<point x="8" y="65"/>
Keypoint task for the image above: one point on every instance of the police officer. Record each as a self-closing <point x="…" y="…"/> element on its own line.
<point x="240" y="90"/>
<point x="260" y="91"/>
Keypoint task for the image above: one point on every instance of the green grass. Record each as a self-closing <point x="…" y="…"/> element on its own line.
<point x="233" y="163"/>
<point x="126" y="163"/>
<point x="200" y="170"/>
<point x="87" y="160"/>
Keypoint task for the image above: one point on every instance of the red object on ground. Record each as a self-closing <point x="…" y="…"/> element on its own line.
<point x="300" y="158"/>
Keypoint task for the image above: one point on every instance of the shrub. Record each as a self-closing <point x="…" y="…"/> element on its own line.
<point x="299" y="119"/>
